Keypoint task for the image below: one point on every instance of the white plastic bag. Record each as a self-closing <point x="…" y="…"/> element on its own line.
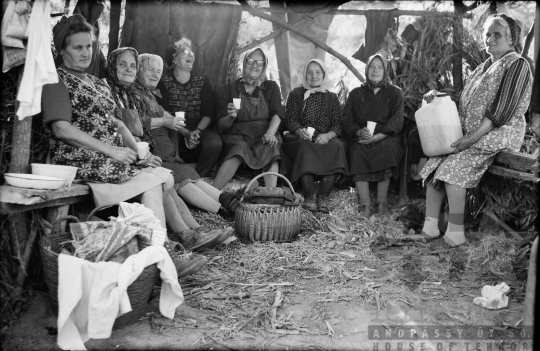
<point x="493" y="297"/>
<point x="135" y="213"/>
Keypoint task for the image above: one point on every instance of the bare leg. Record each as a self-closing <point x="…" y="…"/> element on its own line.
<point x="227" y="171"/>
<point x="271" y="180"/>
<point x="209" y="190"/>
<point x="455" y="234"/>
<point x="198" y="198"/>
<point x="184" y="211"/>
<point x="363" y="192"/>
<point x="434" y="200"/>
<point x="168" y="186"/>
<point x="174" y="219"/>
<point x="382" y="190"/>
<point x="153" y="199"/>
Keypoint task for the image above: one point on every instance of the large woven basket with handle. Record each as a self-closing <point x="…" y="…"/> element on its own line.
<point x="264" y="222"/>
<point x="139" y="291"/>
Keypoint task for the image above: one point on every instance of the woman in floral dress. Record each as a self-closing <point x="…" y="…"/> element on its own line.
<point x="491" y="110"/>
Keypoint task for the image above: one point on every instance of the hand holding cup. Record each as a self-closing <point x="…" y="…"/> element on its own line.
<point x="231" y="110"/>
<point x="143" y="148"/>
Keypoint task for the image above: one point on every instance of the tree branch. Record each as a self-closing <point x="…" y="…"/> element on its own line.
<point x="278" y="32"/>
<point x="293" y="29"/>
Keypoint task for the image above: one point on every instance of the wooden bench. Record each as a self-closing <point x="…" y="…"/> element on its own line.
<point x="516" y="165"/>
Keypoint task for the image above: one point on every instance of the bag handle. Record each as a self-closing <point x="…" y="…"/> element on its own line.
<point x="269" y="173"/>
<point x="91" y="214"/>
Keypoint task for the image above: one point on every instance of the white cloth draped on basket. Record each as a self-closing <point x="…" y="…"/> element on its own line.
<point x="92" y="295"/>
<point x="39" y="66"/>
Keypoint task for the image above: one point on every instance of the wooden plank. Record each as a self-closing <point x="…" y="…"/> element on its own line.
<point x="7" y="208"/>
<point x="518" y="159"/>
<point x="363" y="12"/>
<point x="23" y="196"/>
<point x="510" y="173"/>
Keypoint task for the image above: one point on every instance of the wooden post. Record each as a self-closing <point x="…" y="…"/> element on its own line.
<point x="317" y="43"/>
<point x="114" y="29"/>
<point x="537" y="32"/>
<point x="20" y="157"/>
<point x="530" y="292"/>
<point x="457" y="59"/>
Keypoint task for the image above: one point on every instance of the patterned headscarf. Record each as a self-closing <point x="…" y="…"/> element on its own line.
<point x="385" y="80"/>
<point x="121" y="92"/>
<point x="325" y="86"/>
<point x="515" y="30"/>
<point x="261" y="78"/>
<point x="62" y="29"/>
<point x="117" y="88"/>
<point x="144" y="63"/>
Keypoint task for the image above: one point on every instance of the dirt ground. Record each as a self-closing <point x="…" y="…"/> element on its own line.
<point x="318" y="292"/>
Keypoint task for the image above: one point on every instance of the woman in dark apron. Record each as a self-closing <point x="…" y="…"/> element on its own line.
<point x="250" y="133"/>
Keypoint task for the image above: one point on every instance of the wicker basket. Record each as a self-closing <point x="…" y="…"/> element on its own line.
<point x="139" y="291"/>
<point x="261" y="222"/>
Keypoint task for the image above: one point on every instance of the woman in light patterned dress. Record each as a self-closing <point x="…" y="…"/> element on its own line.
<point x="491" y="111"/>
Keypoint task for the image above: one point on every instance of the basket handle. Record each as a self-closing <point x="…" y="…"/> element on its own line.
<point x="93" y="212"/>
<point x="269" y="173"/>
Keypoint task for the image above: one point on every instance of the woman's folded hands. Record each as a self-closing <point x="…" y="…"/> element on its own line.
<point x="270" y="140"/>
<point x="123" y="154"/>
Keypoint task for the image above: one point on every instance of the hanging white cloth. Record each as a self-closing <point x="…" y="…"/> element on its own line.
<point x="39" y="66"/>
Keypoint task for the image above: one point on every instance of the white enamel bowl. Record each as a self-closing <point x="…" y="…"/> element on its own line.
<point x="66" y="172"/>
<point x="34" y="181"/>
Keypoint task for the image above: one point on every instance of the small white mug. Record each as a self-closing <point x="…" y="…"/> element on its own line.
<point x="371" y="126"/>
<point x="142" y="149"/>
<point x="180" y="114"/>
<point x="310" y="131"/>
<point x="237" y="103"/>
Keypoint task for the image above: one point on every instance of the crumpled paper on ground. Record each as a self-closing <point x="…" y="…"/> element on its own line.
<point x="139" y="215"/>
<point x="493" y="297"/>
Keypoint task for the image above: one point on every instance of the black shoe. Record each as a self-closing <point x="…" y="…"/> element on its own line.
<point x="229" y="201"/>
<point x="322" y="204"/>
<point x="310" y="203"/>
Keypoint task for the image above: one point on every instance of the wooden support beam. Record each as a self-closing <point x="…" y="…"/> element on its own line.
<point x="317" y="43"/>
<point x="509" y="230"/>
<point x="511" y="173"/>
<point x="278" y="32"/>
<point x="530" y="292"/>
<point x="457" y="59"/>
<point x="363" y="12"/>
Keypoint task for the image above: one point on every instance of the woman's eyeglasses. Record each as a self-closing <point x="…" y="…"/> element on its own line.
<point x="251" y="62"/>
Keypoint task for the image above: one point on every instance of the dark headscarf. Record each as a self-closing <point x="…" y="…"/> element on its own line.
<point x="515" y="30"/>
<point x="385" y="80"/>
<point x="62" y="29"/>
<point x="125" y="95"/>
<point x="262" y="77"/>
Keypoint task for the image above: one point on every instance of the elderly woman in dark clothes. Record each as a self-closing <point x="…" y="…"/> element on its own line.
<point x="250" y="133"/>
<point x="321" y="155"/>
<point x="183" y="91"/>
<point x="164" y="127"/>
<point x="374" y="158"/>
<point x="87" y="133"/>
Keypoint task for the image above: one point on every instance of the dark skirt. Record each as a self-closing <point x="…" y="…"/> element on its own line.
<point x="164" y="148"/>
<point x="253" y="153"/>
<point x="375" y="157"/>
<point x="318" y="159"/>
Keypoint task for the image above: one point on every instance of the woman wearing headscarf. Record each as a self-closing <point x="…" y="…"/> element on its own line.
<point x="163" y="130"/>
<point x="87" y="132"/>
<point x="250" y="133"/>
<point x="320" y="156"/>
<point x="183" y="91"/>
<point x="374" y="157"/>
<point x="491" y="110"/>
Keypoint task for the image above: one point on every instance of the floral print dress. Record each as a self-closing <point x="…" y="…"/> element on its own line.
<point x="94" y="112"/>
<point x="479" y="96"/>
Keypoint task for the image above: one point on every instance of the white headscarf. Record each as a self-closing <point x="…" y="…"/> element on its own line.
<point x="326" y="84"/>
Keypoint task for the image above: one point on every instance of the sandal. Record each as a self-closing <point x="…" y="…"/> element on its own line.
<point x="195" y="240"/>
<point x="429" y="238"/>
<point x="322" y="204"/>
<point x="441" y="244"/>
<point x="224" y="234"/>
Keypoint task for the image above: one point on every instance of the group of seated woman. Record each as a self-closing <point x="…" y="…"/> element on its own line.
<point x="86" y="114"/>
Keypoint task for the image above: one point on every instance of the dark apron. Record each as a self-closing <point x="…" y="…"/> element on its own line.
<point x="244" y="137"/>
